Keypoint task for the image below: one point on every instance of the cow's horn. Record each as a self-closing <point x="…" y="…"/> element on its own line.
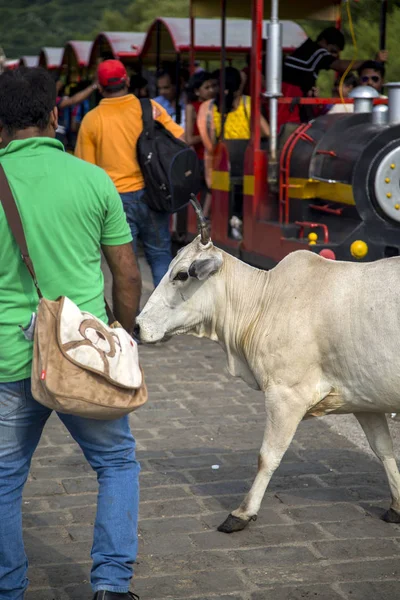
<point x="201" y="220"/>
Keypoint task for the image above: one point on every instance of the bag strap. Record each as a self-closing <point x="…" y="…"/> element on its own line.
<point x="14" y="221"/>
<point x="147" y="116"/>
<point x="15" y="224"/>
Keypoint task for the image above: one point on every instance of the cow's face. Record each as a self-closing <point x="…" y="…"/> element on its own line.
<point x="184" y="298"/>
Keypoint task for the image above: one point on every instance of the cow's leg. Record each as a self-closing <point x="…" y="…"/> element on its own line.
<point x="284" y="412"/>
<point x="376" y="429"/>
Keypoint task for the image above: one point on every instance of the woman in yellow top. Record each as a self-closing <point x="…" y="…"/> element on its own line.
<point x="237" y="125"/>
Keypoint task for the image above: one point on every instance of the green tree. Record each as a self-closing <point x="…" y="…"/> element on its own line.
<point x="139" y="15"/>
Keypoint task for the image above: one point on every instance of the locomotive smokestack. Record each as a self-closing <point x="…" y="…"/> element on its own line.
<point x="363" y="98"/>
<point x="394" y="102"/>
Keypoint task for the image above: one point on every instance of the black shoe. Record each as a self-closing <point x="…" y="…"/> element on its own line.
<point x="103" y="595"/>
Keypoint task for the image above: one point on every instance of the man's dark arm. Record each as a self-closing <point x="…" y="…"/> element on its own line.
<point x="127" y="283"/>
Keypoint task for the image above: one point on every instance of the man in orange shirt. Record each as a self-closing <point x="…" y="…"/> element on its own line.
<point x="107" y="137"/>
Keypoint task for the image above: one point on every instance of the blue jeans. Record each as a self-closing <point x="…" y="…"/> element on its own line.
<point x="153" y="230"/>
<point x="110" y="450"/>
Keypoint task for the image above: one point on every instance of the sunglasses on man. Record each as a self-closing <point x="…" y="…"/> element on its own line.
<point x="374" y="78"/>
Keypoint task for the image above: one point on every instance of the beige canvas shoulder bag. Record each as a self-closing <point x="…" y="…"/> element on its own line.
<point x="81" y="366"/>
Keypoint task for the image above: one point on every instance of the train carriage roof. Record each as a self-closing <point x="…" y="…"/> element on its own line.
<point x="123" y="45"/>
<point x="325" y="10"/>
<point x="76" y="52"/>
<point x="29" y="61"/>
<point x="50" y="58"/>
<point x="175" y="37"/>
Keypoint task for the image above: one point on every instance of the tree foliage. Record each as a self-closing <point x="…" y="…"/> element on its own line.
<point x="28" y="25"/>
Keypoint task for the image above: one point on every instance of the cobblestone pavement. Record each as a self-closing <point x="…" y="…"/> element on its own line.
<point x="318" y="535"/>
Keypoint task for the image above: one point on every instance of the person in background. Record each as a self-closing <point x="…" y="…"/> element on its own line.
<point x="200" y="89"/>
<point x="302" y="67"/>
<point x="63" y="102"/>
<point x="107" y="137"/>
<point x="372" y="73"/>
<point x="139" y="86"/>
<point x="70" y="210"/>
<point x="167" y="98"/>
<point x="349" y="83"/>
<point x="237" y="126"/>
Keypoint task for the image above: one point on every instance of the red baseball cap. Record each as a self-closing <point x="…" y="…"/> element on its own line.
<point x="111" y="72"/>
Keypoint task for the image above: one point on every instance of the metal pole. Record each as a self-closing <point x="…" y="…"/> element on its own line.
<point x="223" y="63"/>
<point x="382" y="25"/>
<point x="158" y="44"/>
<point x="192" y="34"/>
<point x="274" y="75"/>
<point x="178" y="88"/>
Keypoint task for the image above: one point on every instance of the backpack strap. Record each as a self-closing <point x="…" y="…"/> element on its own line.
<point x="147" y="116"/>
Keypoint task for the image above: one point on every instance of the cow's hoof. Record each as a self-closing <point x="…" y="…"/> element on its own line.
<point x="232" y="524"/>
<point x="391" y="516"/>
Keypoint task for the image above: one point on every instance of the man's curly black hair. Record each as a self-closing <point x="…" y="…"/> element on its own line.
<point x="27" y="97"/>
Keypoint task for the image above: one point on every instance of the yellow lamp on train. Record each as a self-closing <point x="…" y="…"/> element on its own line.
<point x="312" y="238"/>
<point x="359" y="249"/>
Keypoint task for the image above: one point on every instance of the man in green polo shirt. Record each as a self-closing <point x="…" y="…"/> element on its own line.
<point x="70" y="209"/>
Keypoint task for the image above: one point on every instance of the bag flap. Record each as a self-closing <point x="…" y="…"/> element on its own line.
<point x="91" y="344"/>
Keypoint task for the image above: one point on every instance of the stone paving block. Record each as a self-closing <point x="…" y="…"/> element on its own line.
<point x="61" y="471"/>
<point x="46" y="519"/>
<point x="59" y="576"/>
<point x="324" y="439"/>
<point x="298" y="573"/>
<point x="363" y="528"/>
<point x="343" y="461"/>
<point x="167" y="525"/>
<point x="84" y="514"/>
<point x="357" y="548"/>
<point x="80" y="533"/>
<point x="318" y="514"/>
<point x="153" y="565"/>
<point x="302" y="592"/>
<point x="166" y="508"/>
<point x="42" y="488"/>
<point x="162" y="545"/>
<point x="254" y="535"/>
<point x="274" y="555"/>
<point x="183" y="586"/>
<point x="327" y="496"/>
<point x="78" y="485"/>
<point x="374" y="479"/>
<point x="40" y="554"/>
<point x="71" y="500"/>
<point x="49" y="535"/>
<point x="372" y="570"/>
<point x="229" y="503"/>
<point x="369" y="590"/>
<point x="163" y="493"/>
<point x="151" y="479"/>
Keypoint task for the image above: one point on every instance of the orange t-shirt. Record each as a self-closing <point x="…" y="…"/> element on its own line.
<point x="108" y="136"/>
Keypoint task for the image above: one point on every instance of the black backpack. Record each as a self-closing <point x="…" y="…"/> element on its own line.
<point x="170" y="168"/>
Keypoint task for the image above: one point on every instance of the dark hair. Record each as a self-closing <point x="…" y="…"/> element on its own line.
<point x="167" y="68"/>
<point x="372" y="64"/>
<point x="350" y="79"/>
<point x="331" y="35"/>
<point x="112" y="89"/>
<point x="27" y="97"/>
<point x="195" y="83"/>
<point x="233" y="82"/>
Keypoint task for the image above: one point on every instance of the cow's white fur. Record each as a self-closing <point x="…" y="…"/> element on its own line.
<point x="316" y="336"/>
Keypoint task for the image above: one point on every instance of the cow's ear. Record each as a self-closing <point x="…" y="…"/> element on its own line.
<point x="204" y="267"/>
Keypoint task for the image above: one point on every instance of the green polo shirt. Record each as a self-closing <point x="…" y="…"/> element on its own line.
<point x="68" y="209"/>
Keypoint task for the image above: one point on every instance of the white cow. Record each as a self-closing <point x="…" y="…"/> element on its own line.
<point x="316" y="336"/>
